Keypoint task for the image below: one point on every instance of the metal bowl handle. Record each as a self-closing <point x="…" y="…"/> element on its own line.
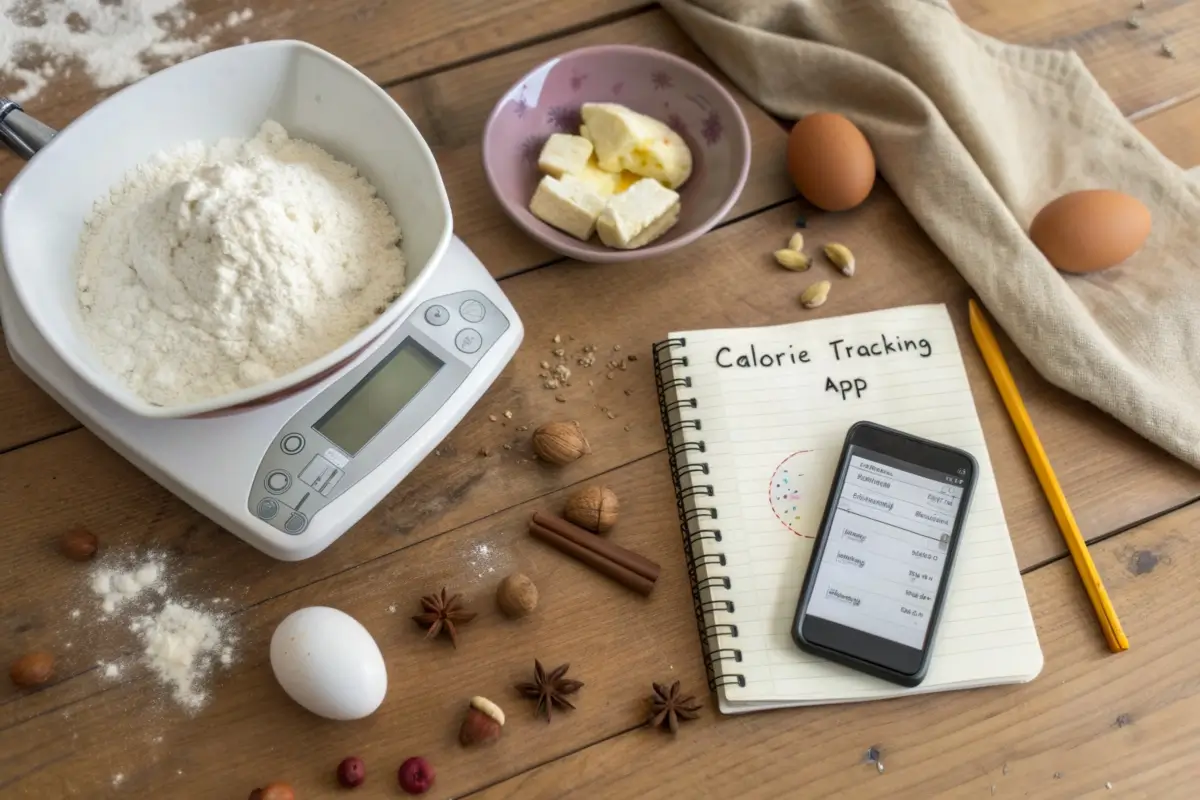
<point x="20" y="132"/>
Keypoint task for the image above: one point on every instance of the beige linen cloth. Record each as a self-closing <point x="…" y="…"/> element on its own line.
<point x="975" y="136"/>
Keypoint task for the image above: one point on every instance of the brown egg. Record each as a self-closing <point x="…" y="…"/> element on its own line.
<point x="1090" y="230"/>
<point x="830" y="161"/>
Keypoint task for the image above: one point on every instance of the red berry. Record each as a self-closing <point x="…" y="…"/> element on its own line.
<point x="351" y="772"/>
<point x="416" y="776"/>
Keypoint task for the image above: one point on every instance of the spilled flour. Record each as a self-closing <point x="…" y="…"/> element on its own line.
<point x="181" y="642"/>
<point x="115" y="42"/>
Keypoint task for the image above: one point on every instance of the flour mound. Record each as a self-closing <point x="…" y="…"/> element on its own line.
<point x="214" y="268"/>
<point x="182" y="645"/>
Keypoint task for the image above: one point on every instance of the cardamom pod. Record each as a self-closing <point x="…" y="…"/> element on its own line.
<point x="793" y="260"/>
<point x="841" y="257"/>
<point x="815" y="295"/>
<point x="796" y="242"/>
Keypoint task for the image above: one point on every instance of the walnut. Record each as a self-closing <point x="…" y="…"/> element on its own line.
<point x="593" y="507"/>
<point x="560" y="442"/>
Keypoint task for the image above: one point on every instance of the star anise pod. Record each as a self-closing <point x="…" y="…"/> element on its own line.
<point x="442" y="613"/>
<point x="550" y="689"/>
<point x="669" y="707"/>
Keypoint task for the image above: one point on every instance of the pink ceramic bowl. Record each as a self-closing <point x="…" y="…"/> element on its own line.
<point x="658" y="84"/>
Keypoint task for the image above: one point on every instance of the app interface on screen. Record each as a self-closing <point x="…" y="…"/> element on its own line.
<point x="887" y="546"/>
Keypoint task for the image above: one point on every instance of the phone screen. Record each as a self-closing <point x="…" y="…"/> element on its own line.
<point x="886" y="550"/>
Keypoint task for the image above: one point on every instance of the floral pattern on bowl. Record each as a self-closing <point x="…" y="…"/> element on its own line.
<point x="661" y="85"/>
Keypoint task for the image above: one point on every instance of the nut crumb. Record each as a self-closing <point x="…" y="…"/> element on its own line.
<point x="611" y="415"/>
<point x="591" y="382"/>
<point x="628" y="427"/>
<point x="557" y="338"/>
<point x="628" y="392"/>
<point x="437" y="452"/>
<point x="1108" y="784"/>
<point x="508" y="447"/>
<point x="604" y="409"/>
<point x="545" y="365"/>
<point x="492" y="417"/>
<point x="550" y="383"/>
<point x="622" y="366"/>
<point x="610" y="375"/>
<point x="561" y="373"/>
<point x="522" y="427"/>
<point x="508" y="415"/>
<point x="559" y="352"/>
<point x="616" y="348"/>
<point x="483" y="451"/>
<point x="589" y="348"/>
<point x="1133" y="23"/>
<point x="1167" y="50"/>
<point x="632" y="357"/>
<point x="560" y="398"/>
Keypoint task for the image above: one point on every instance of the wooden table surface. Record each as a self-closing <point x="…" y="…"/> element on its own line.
<point x="1092" y="724"/>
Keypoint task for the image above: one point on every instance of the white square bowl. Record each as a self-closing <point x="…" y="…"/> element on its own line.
<point x="227" y="93"/>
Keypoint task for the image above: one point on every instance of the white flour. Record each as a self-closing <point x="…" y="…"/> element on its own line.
<point x="218" y="267"/>
<point x="116" y="42"/>
<point x="181" y="643"/>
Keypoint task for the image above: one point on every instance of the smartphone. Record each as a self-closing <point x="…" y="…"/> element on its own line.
<point x="881" y="563"/>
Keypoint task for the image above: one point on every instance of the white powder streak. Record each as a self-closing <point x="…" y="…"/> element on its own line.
<point x="115" y="42"/>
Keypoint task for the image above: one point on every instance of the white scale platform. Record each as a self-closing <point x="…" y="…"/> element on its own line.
<point x="291" y="477"/>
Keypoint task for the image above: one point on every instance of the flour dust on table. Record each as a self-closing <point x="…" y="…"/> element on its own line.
<point x="115" y="42"/>
<point x="217" y="267"/>
<point x="181" y="642"/>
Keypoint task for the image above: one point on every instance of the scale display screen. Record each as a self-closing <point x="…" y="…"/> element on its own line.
<point x="364" y="410"/>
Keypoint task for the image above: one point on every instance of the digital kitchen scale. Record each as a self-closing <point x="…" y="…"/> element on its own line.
<point x="291" y="477"/>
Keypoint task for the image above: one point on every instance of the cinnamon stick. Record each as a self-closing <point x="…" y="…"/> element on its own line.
<point x="625" y="577"/>
<point x="598" y="544"/>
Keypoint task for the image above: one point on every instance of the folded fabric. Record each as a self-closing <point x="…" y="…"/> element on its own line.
<point x="975" y="136"/>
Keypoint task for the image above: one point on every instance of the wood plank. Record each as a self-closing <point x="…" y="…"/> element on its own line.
<point x="71" y="738"/>
<point x="450" y="109"/>
<point x="387" y="41"/>
<point x="728" y="278"/>
<point x="1126" y="61"/>
<point x="1173" y="132"/>
<point x="1092" y="721"/>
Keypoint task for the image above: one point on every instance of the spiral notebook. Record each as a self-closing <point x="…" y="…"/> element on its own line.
<point x="755" y="419"/>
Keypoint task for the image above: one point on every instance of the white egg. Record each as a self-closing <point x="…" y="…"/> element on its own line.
<point x="328" y="662"/>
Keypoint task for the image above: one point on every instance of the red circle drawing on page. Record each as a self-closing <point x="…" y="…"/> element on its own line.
<point x="785" y="492"/>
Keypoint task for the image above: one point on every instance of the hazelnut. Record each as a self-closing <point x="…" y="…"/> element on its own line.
<point x="482" y="724"/>
<point x="560" y="442"/>
<point x="593" y="507"/>
<point x="517" y="596"/>
<point x="416" y="775"/>
<point x="274" y="791"/>
<point x="32" y="669"/>
<point x="78" y="544"/>
<point x="351" y="772"/>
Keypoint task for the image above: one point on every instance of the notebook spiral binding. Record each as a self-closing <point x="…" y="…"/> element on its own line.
<point x="692" y="520"/>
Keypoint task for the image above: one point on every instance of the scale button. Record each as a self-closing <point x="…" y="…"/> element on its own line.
<point x="292" y="443"/>
<point x="437" y="315"/>
<point x="472" y="311"/>
<point x="278" y="481"/>
<point x="295" y="523"/>
<point x="267" y="508"/>
<point x="468" y="340"/>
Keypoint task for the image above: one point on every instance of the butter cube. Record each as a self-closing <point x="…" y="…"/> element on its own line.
<point x="564" y="154"/>
<point x="639" y="215"/>
<point x="627" y="140"/>
<point x="569" y="204"/>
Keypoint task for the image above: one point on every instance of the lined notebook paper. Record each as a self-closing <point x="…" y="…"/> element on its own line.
<point x="755" y="421"/>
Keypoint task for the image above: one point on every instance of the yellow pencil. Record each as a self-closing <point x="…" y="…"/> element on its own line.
<point x="996" y="365"/>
